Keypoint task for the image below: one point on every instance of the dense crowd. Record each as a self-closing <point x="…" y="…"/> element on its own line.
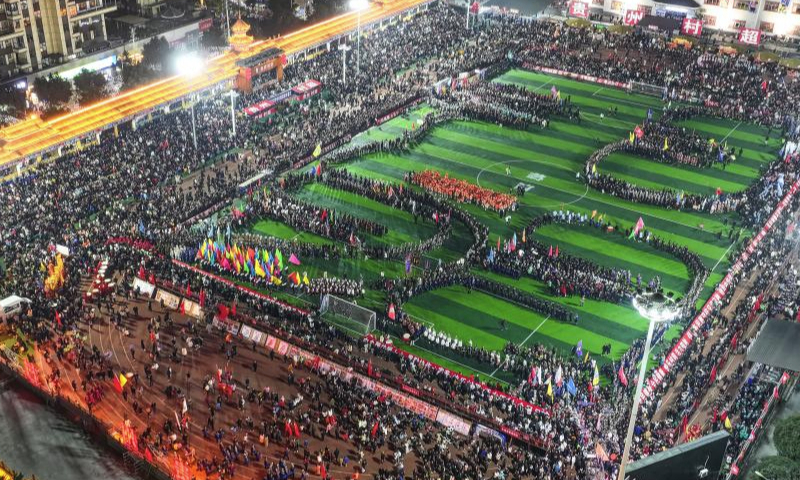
<point x="148" y="184"/>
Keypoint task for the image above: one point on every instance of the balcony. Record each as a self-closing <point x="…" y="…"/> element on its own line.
<point x="91" y="12"/>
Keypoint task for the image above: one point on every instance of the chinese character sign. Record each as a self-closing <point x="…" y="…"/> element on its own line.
<point x="750" y="36"/>
<point x="692" y="26"/>
<point x="633" y="17"/>
<point x="579" y="9"/>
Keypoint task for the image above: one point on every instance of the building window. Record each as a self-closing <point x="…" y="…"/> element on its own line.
<point x="771" y="6"/>
<point x="647" y="10"/>
<point x="597" y="2"/>
<point x="737" y="24"/>
<point x="711" y="2"/>
<point x="797" y="8"/>
<point x="742" y="5"/>
<point x="616" y="6"/>
<point x="767" y="27"/>
<point x="709" y="21"/>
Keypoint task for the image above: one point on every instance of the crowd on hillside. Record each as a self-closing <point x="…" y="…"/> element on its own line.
<point x="148" y="184"/>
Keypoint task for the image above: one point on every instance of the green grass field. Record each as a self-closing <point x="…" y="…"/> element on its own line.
<point x="547" y="161"/>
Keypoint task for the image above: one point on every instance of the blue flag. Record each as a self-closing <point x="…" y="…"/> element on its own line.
<point x="579" y="349"/>
<point x="571" y="387"/>
<point x="649" y="113"/>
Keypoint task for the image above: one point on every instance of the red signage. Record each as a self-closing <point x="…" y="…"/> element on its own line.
<point x="692" y="26"/>
<point x="633" y="17"/>
<point x="579" y="9"/>
<point x="750" y="36"/>
<point x="205" y="24"/>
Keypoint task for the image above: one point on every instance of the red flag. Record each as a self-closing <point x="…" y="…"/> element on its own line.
<point x="713" y="374"/>
<point x="532" y="375"/>
<point x="776" y="393"/>
<point x="392" y="313"/>
<point x="152" y="279"/>
<point x="233" y="308"/>
<point x="322" y="472"/>
<point x="375" y="429"/>
<point x="734" y="340"/>
<point x="183" y="307"/>
<point x="684" y="425"/>
<point x="550" y="253"/>
<point x="58" y="319"/>
<point x="296" y="430"/>
<point x="369" y="368"/>
<point x="621" y="374"/>
<point x="188" y="290"/>
<point x="141" y="271"/>
<point x="498" y="243"/>
<point x="287" y="428"/>
<point x="117" y="385"/>
<point x="223" y="311"/>
<point x="202" y="298"/>
<point x="556" y="251"/>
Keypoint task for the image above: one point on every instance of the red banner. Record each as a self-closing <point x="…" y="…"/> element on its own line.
<point x="633" y="17"/>
<point x="692" y="26"/>
<point x="750" y="36"/>
<point x="579" y="9"/>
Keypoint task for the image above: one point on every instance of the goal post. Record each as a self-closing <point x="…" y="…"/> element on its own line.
<point x="647" y="89"/>
<point x="347" y="314"/>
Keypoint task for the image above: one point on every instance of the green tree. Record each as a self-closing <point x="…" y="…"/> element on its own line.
<point x="90" y="86"/>
<point x="53" y="90"/>
<point x="775" y="468"/>
<point x="12" y="101"/>
<point x="155" y="53"/>
<point x="787" y="438"/>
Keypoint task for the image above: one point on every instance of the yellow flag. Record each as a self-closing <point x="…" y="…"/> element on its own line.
<point x="594" y="213"/>
<point x="549" y="389"/>
<point x="122" y="380"/>
<point x="728" y="425"/>
<point x="116" y="131"/>
<point x="594" y="168"/>
<point x="317" y="151"/>
<point x="305" y="279"/>
<point x="631" y="137"/>
<point x="666" y="144"/>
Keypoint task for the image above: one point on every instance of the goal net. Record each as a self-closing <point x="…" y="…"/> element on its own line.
<point x="647" y="89"/>
<point x="347" y="315"/>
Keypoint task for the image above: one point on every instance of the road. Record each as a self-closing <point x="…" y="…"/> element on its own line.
<point x="37" y="440"/>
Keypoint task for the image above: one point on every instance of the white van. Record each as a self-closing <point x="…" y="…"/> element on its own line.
<point x="12" y="306"/>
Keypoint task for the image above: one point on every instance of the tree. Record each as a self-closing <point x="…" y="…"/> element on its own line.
<point x="53" y="90"/>
<point x="787" y="438"/>
<point x="90" y="86"/>
<point x="12" y="100"/>
<point x="155" y="53"/>
<point x="775" y="468"/>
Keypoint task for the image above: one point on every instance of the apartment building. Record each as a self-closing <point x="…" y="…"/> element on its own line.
<point x="35" y="34"/>
<point x="771" y="17"/>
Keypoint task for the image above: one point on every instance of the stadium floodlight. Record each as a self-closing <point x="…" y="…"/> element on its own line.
<point x="190" y="65"/>
<point x="358" y="6"/>
<point x="759" y="475"/>
<point x="654" y="313"/>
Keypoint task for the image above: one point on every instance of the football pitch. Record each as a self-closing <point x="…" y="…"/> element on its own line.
<point x="545" y="162"/>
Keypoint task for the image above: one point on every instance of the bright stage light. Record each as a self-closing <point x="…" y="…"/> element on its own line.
<point x="189" y="64"/>
<point x="358" y="5"/>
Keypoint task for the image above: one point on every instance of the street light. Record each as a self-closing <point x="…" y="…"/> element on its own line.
<point x="658" y="314"/>
<point x="191" y="65"/>
<point x="359" y="6"/>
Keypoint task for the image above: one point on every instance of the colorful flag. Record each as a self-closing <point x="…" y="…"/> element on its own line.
<point x="579" y="349"/>
<point x="596" y="376"/>
<point x="621" y="375"/>
<point x="392" y="313"/>
<point x="317" y="150"/>
<point x="294" y="260"/>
